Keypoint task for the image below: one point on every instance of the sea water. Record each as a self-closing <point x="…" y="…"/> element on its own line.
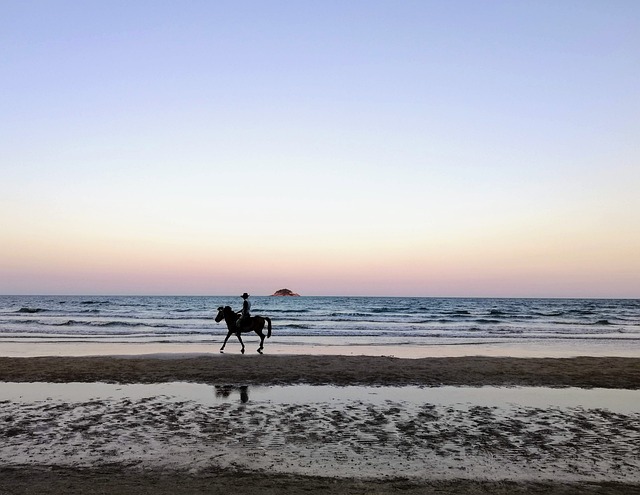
<point x="37" y="325"/>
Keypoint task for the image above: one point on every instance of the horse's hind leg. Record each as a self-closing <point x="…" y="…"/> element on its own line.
<point x="261" y="341"/>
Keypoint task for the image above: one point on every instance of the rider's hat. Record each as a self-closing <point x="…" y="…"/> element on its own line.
<point x="245" y="295"/>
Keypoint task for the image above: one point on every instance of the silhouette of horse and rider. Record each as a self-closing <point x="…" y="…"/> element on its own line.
<point x="243" y="322"/>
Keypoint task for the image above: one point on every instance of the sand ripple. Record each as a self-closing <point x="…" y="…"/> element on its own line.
<point x="345" y="439"/>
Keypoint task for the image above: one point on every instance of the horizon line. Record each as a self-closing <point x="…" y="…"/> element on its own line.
<point x="327" y="295"/>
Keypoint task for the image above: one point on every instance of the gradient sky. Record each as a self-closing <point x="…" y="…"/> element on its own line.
<point x="422" y="148"/>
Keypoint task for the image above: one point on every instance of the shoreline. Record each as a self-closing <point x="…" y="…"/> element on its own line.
<point x="584" y="372"/>
<point x="316" y="346"/>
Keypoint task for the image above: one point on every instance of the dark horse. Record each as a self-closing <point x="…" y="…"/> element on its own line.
<point x="256" y="324"/>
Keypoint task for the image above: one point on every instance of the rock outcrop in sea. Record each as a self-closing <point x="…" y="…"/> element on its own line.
<point x="285" y="292"/>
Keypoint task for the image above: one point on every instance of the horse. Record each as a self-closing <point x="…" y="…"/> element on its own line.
<point x="256" y="324"/>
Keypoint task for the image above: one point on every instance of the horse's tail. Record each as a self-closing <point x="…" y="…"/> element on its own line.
<point x="268" y="326"/>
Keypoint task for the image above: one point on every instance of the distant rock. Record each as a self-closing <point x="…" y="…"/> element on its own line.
<point x="285" y="292"/>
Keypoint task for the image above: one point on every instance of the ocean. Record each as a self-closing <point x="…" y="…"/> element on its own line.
<point x="403" y="326"/>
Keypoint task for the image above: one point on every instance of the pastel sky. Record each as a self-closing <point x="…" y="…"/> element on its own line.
<point x="360" y="147"/>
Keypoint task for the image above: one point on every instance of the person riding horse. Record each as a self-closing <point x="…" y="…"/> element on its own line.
<point x="245" y="313"/>
<point x="253" y="324"/>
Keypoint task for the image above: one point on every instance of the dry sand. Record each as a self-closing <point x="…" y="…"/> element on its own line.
<point x="157" y="446"/>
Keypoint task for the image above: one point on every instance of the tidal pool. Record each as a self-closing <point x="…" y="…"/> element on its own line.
<point x="615" y="400"/>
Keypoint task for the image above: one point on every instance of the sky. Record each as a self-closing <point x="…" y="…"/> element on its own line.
<point x="364" y="147"/>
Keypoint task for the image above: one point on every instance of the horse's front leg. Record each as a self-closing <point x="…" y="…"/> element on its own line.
<point x="225" y="342"/>
<point x="241" y="343"/>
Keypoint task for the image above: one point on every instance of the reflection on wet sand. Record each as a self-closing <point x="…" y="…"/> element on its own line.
<point x="615" y="400"/>
<point x="225" y="391"/>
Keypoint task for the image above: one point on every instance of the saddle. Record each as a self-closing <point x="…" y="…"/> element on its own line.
<point x="243" y="323"/>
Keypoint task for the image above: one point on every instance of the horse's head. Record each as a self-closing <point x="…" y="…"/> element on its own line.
<point x="224" y="312"/>
<point x="220" y="315"/>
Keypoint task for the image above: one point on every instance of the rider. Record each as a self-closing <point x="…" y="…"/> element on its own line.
<point x="245" y="313"/>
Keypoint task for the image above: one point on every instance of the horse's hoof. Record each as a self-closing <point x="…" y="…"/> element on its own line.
<point x="221" y="351"/>
<point x="242" y="351"/>
<point x="260" y="351"/>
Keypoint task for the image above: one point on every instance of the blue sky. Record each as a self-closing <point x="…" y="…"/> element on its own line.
<point x="409" y="148"/>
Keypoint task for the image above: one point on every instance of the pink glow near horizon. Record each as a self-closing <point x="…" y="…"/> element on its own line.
<point x="411" y="277"/>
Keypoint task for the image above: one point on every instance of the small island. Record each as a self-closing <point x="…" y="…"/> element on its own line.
<point x="285" y="292"/>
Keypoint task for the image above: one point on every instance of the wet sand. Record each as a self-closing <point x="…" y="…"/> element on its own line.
<point x="115" y="480"/>
<point x="604" y="372"/>
<point x="155" y="445"/>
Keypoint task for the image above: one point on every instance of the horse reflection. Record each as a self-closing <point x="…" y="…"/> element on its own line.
<point x="225" y="391"/>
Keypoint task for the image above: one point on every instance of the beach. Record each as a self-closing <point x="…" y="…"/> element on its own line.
<point x="129" y="394"/>
<point x="319" y="424"/>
